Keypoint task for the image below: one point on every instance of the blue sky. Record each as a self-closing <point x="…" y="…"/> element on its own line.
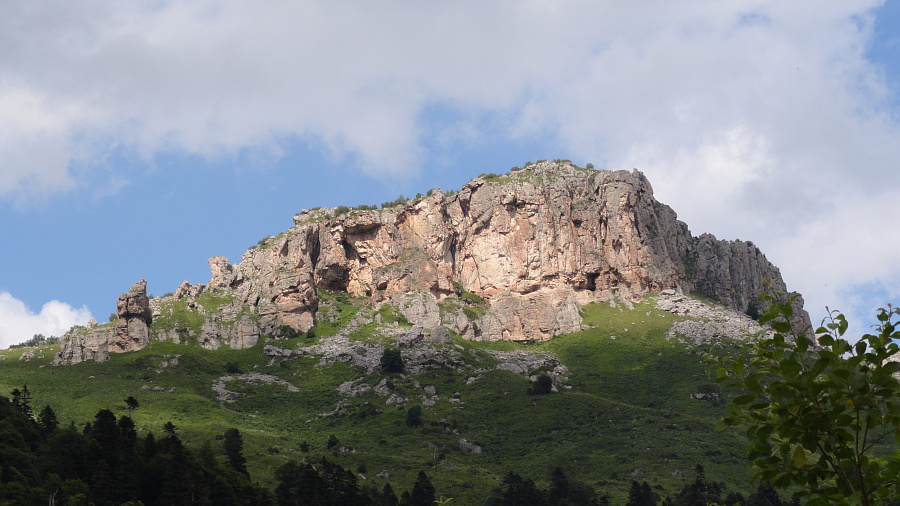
<point x="138" y="139"/>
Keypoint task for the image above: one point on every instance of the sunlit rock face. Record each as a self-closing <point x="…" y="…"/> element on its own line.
<point x="508" y="257"/>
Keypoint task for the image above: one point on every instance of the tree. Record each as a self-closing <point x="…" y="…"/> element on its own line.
<point x="559" y="487"/>
<point x="391" y="361"/>
<point x="132" y="404"/>
<point x="414" y="416"/>
<point x="21" y="400"/>
<point x="47" y="420"/>
<point x="816" y="410"/>
<point x="332" y="442"/>
<point x="640" y="494"/>
<point x="516" y="490"/>
<point x="234" y="450"/>
<point x="422" y="492"/>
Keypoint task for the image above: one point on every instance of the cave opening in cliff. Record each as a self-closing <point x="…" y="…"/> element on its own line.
<point x="314" y="248"/>
<point x="349" y="252"/>
<point x="591" y="283"/>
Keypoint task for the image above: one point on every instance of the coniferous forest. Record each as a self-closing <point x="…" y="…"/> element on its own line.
<point x="106" y="462"/>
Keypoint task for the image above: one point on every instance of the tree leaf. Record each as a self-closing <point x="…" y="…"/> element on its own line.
<point x="744" y="399"/>
<point x="799" y="457"/>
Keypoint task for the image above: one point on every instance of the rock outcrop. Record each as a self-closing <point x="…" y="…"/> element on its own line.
<point x="133" y="326"/>
<point x="129" y="332"/>
<point x="533" y="245"/>
<point x="509" y="257"/>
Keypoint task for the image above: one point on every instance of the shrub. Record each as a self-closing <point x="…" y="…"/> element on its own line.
<point x="392" y="361"/>
<point x="287" y="332"/>
<point x="414" y="416"/>
<point x="399" y="201"/>
<point x="542" y="385"/>
<point x="332" y="442"/>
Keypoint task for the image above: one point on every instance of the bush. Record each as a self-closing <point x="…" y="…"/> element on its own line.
<point x="392" y="361"/>
<point x="816" y="407"/>
<point x="399" y="201"/>
<point x="414" y="417"/>
<point x="542" y="385"/>
<point x="332" y="441"/>
<point x="287" y="332"/>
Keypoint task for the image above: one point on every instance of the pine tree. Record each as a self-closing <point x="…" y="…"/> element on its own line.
<point x="234" y="450"/>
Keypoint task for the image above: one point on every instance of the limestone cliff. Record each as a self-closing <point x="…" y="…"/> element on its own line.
<point x="131" y="331"/>
<point x="507" y="257"/>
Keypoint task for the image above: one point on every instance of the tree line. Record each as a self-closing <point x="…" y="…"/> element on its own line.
<point x="107" y="463"/>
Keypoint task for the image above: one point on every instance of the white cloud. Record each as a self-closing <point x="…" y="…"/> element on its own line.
<point x="19" y="323"/>
<point x="753" y="119"/>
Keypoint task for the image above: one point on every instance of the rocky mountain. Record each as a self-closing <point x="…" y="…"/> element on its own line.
<point x="508" y="257"/>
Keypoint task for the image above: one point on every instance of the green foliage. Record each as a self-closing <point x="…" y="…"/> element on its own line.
<point x="423" y="493"/>
<point x="36" y="340"/>
<point x="414" y="416"/>
<point x="392" y="361"/>
<point x="132" y="404"/>
<point x="753" y="309"/>
<point x="628" y="394"/>
<point x="818" y="413"/>
<point x="399" y="201"/>
<point x="347" y="307"/>
<point x="287" y="332"/>
<point x="543" y="385"/>
<point x="233" y="444"/>
<point x="390" y="314"/>
<point x="110" y="463"/>
<point x="339" y="210"/>
<point x="332" y="442"/>
<point x="641" y="494"/>
<point x="325" y="483"/>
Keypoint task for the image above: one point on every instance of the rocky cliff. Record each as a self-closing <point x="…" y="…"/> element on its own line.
<point x="508" y="256"/>
<point x="131" y="331"/>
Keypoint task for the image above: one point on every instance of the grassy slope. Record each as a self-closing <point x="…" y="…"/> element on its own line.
<point x="628" y="408"/>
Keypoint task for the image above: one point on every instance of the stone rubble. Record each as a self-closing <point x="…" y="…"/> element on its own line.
<point x="708" y="325"/>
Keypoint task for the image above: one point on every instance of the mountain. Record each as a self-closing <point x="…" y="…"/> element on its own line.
<point x="550" y="317"/>
<point x="508" y="257"/>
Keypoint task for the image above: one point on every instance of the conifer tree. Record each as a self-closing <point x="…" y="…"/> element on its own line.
<point x="234" y="450"/>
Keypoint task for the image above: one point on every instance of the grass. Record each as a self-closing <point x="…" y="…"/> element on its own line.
<point x="629" y="406"/>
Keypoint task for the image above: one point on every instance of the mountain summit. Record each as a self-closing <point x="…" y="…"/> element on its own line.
<point x="508" y="257"/>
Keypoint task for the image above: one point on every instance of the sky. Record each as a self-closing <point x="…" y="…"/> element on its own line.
<point x="138" y="139"/>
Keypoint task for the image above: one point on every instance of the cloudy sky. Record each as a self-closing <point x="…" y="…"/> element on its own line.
<point x="137" y="139"/>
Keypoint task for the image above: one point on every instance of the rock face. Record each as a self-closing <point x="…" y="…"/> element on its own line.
<point x="131" y="331"/>
<point x="533" y="245"/>
<point x="133" y="326"/>
<point x="509" y="257"/>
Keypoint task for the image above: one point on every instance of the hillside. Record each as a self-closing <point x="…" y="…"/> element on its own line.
<point x="550" y="276"/>
<point x="623" y="407"/>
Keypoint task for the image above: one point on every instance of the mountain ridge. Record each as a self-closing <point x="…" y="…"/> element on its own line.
<point x="507" y="257"/>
